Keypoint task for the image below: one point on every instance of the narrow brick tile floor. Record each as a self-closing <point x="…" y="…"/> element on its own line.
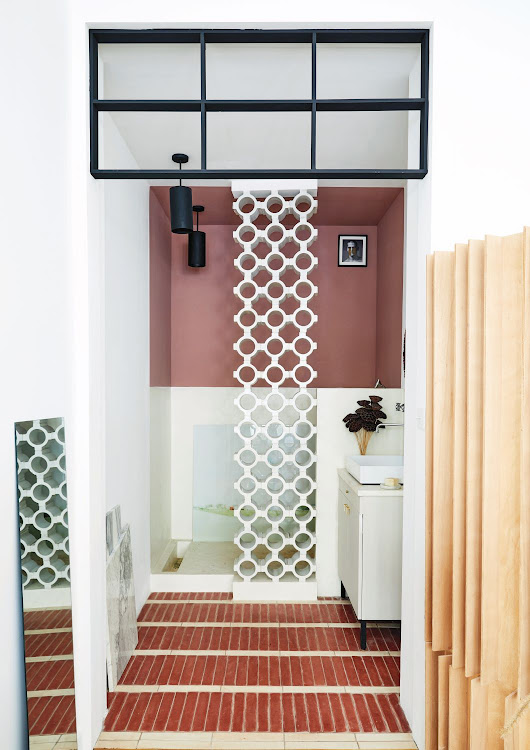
<point x="207" y="664"/>
<point x="49" y="671"/>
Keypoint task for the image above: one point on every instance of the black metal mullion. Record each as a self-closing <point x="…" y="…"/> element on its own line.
<point x="255" y="105"/>
<point x="203" y="101"/>
<point x="424" y="92"/>
<point x="258" y="105"/>
<point x="313" y="100"/>
<point x="147" y="105"/>
<point x="93" y="95"/>
<point x="368" y="105"/>
<point x="266" y="36"/>
<point x="259" y="174"/>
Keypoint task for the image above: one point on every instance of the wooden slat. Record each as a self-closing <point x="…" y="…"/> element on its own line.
<point x="475" y="364"/>
<point x="524" y="584"/>
<point x="491" y="469"/>
<point x="510" y="707"/>
<point x="444" y="662"/>
<point x="458" y="709"/>
<point x="478" y="713"/>
<point x="431" y="698"/>
<point x="509" y="449"/>
<point x="523" y="731"/>
<point x="495" y="716"/>
<point x="428" y="452"/>
<point x="442" y="521"/>
<point x="459" y="441"/>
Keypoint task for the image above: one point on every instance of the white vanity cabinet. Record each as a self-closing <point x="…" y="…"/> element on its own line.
<point x="370" y="522"/>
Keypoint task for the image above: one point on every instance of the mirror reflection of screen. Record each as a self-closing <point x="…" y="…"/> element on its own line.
<point x="45" y="567"/>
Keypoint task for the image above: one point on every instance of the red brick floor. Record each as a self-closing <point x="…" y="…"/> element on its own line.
<point x="218" y="665"/>
<point x="52" y="715"/>
<point x="50" y="675"/>
<point x="49" y="714"/>
<point x="254" y="712"/>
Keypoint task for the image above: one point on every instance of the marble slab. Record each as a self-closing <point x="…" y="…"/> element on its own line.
<point x="122" y="631"/>
<point x="114" y="530"/>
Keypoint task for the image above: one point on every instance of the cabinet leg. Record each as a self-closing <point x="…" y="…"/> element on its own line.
<point x="363" y="635"/>
<point x="343" y="593"/>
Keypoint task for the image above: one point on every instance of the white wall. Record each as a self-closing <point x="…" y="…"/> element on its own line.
<point x="126" y="279"/>
<point x="35" y="305"/>
<point x="160" y="472"/>
<point x="334" y="443"/>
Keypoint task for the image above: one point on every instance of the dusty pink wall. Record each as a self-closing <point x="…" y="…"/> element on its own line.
<point x="159" y="293"/>
<point x="390" y="294"/>
<point x="193" y="332"/>
<point x="203" y="306"/>
<point x="346" y="307"/>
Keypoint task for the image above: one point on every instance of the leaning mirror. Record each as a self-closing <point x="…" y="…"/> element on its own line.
<point x="45" y="566"/>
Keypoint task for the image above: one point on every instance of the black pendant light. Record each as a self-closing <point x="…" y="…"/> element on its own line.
<point x="180" y="203"/>
<point x="197" y="244"/>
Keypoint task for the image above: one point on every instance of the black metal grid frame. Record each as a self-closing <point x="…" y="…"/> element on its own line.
<point x="204" y="105"/>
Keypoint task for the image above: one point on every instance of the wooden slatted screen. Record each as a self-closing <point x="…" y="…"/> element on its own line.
<point x="477" y="624"/>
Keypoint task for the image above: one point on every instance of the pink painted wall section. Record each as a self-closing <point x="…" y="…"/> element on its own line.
<point x="159" y="293"/>
<point x="203" y="306"/>
<point x="390" y="294"/>
<point x="346" y="307"/>
<point x="358" y="332"/>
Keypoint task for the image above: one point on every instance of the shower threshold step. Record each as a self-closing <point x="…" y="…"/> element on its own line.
<point x="262" y="589"/>
<point x="205" y="566"/>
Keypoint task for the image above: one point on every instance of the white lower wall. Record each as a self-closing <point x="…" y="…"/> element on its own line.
<point x="334" y="443"/>
<point x="160" y="472"/>
<point x="210" y="406"/>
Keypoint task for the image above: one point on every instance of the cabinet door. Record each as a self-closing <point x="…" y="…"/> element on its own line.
<point x="381" y="558"/>
<point x="344" y="562"/>
<point x="349" y="546"/>
<point x="355" y="554"/>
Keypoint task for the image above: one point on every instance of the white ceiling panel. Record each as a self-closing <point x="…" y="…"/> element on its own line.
<point x="150" y="71"/>
<point x="365" y="71"/>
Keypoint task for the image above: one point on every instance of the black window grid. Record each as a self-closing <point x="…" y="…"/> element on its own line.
<point x="204" y="105"/>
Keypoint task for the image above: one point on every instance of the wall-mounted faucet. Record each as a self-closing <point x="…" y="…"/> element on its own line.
<point x="388" y="424"/>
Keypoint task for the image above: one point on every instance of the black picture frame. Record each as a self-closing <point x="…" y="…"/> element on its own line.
<point x="359" y="258"/>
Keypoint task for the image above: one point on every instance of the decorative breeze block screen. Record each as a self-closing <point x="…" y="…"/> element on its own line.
<point x="41" y="474"/>
<point x="277" y="458"/>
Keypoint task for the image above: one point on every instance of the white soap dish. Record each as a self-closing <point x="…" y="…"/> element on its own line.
<point x="384" y="487"/>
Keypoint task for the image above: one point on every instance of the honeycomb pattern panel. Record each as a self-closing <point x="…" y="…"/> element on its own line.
<point x="42" y="503"/>
<point x="277" y="460"/>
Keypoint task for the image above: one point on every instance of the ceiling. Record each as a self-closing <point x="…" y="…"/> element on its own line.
<point x="340" y="206"/>
<point x="259" y="140"/>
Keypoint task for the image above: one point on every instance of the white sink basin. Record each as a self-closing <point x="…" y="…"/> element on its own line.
<point x="374" y="469"/>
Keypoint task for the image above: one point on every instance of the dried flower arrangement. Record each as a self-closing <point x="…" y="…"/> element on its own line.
<point x="364" y="420"/>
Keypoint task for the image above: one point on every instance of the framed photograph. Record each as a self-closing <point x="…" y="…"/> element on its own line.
<point x="353" y="250"/>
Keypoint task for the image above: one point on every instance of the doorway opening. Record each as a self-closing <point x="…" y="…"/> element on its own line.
<point x="185" y="332"/>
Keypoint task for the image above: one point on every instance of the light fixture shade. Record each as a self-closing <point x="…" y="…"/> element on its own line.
<point x="197" y="249"/>
<point x="180" y="209"/>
